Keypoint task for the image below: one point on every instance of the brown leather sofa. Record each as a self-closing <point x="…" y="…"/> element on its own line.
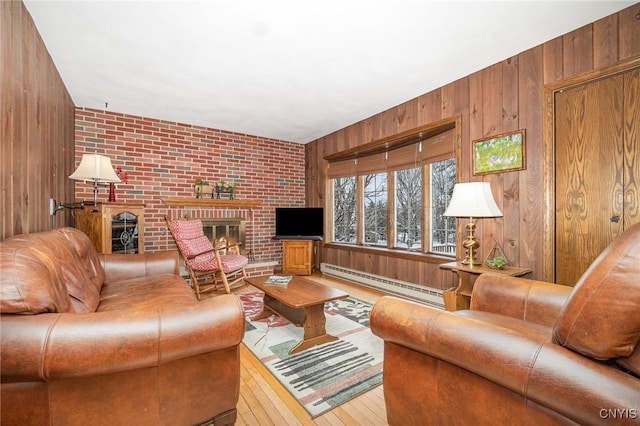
<point x="526" y="353"/>
<point x="93" y="339"/>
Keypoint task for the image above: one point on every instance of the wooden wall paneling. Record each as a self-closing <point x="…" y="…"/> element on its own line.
<point x="454" y="100"/>
<point x="529" y="247"/>
<point x="356" y="134"/>
<point x="10" y="43"/>
<point x="511" y="188"/>
<point x="388" y="123"/>
<point x="578" y="51"/>
<point x="361" y="260"/>
<point x="408" y="115"/>
<point x="629" y="32"/>
<point x="475" y="126"/>
<point x="37" y="123"/>
<point x="553" y="62"/>
<point x="492" y="118"/>
<point x="605" y="41"/>
<point x="429" y="109"/>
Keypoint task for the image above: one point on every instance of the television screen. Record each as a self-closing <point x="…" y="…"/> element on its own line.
<point x="299" y="223"/>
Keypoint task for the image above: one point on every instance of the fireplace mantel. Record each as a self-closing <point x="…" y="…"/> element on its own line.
<point x="209" y="202"/>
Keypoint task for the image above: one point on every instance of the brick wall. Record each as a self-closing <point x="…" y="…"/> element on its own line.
<point x="163" y="159"/>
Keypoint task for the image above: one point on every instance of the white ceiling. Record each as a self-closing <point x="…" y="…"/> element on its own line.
<point x="293" y="70"/>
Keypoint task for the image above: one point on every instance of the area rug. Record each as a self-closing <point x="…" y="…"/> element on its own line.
<point x="323" y="376"/>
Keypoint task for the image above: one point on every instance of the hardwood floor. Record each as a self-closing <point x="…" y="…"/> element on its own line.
<point x="264" y="401"/>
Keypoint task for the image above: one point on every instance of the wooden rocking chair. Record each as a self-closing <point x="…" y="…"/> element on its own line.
<point x="208" y="266"/>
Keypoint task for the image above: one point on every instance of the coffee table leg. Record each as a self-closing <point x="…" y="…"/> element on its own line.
<point x="314" y="329"/>
<point x="266" y="312"/>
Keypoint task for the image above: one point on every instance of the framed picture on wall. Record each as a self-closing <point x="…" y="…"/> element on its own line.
<point x="501" y="153"/>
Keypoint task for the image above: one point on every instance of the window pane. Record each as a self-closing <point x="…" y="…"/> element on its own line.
<point x="375" y="209"/>
<point x="408" y="208"/>
<point x="344" y="210"/>
<point x="443" y="229"/>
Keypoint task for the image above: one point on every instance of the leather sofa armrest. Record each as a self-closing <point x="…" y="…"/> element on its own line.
<point x="118" y="267"/>
<point x="555" y="377"/>
<point x="59" y="346"/>
<point x="530" y="300"/>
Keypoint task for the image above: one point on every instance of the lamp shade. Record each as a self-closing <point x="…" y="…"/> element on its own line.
<point x="472" y="199"/>
<point x="96" y="168"/>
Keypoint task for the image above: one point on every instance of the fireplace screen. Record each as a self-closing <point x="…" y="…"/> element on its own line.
<point x="223" y="232"/>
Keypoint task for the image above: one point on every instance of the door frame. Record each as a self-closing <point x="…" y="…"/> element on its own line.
<point x="548" y="156"/>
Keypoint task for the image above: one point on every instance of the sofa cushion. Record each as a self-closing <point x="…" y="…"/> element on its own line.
<point x="146" y="292"/>
<point x="71" y="263"/>
<point x="28" y="282"/>
<point x="84" y="275"/>
<point x="600" y="318"/>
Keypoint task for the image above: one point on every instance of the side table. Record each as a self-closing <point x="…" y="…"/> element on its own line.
<point x="460" y="297"/>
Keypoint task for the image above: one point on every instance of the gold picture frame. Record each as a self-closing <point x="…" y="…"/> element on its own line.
<point x="501" y="153"/>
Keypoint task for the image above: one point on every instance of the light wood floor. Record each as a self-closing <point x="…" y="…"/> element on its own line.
<point x="264" y="401"/>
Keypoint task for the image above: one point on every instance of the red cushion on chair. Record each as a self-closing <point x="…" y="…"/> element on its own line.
<point x="190" y="237"/>
<point x="233" y="262"/>
<point x="193" y="244"/>
<point x="204" y="262"/>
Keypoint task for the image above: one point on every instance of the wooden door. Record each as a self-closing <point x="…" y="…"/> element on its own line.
<point x="596" y="169"/>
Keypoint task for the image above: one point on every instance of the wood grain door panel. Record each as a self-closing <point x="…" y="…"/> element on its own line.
<point x="631" y="150"/>
<point x="589" y="174"/>
<point x="597" y="169"/>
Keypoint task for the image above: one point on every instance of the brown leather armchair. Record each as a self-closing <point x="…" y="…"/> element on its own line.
<point x="526" y="353"/>
<point x="99" y="339"/>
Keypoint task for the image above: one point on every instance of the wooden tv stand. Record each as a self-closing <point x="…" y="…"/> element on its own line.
<point x="297" y="257"/>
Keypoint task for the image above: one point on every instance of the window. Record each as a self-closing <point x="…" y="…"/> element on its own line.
<point x="344" y="210"/>
<point x="393" y="193"/>
<point x="408" y="208"/>
<point x="375" y="209"/>
<point x="443" y="231"/>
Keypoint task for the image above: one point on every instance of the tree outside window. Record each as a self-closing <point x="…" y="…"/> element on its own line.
<point x="408" y="207"/>
<point x="344" y="209"/>
<point x="443" y="229"/>
<point x="375" y="209"/>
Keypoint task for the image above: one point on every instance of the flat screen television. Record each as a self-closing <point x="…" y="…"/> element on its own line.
<point x="299" y="223"/>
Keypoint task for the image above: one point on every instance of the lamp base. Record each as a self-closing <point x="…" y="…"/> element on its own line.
<point x="471" y="244"/>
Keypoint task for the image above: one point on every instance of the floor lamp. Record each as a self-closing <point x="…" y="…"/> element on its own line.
<point x="97" y="169"/>
<point x="472" y="199"/>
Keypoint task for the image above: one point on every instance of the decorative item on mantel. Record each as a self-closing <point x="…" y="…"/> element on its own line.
<point x="496" y="259"/>
<point x="200" y="187"/>
<point x="124" y="177"/>
<point x="225" y="190"/>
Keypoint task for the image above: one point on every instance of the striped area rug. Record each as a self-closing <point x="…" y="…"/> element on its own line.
<point x="323" y="376"/>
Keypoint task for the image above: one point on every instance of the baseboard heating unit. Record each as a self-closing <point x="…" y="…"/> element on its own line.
<point x="427" y="295"/>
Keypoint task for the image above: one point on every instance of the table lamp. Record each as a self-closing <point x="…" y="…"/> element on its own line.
<point x="472" y="199"/>
<point x="97" y="169"/>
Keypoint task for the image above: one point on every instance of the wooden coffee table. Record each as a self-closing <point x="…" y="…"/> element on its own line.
<point x="301" y="301"/>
